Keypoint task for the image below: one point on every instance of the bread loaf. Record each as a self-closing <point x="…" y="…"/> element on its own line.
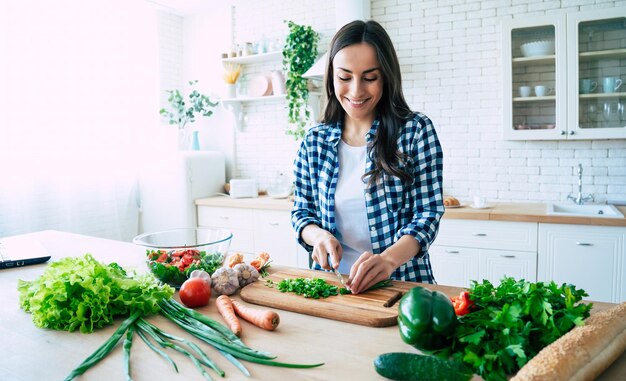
<point x="451" y="201"/>
<point x="583" y="353"/>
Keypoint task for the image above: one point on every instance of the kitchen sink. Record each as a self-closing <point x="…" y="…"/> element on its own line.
<point x="601" y="211"/>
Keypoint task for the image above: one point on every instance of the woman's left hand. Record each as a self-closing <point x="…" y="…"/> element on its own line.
<point x="368" y="270"/>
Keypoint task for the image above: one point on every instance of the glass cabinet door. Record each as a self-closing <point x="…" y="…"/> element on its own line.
<point x="534" y="78"/>
<point x="600" y="70"/>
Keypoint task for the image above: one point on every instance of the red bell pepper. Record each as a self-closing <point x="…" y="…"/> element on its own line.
<point x="462" y="303"/>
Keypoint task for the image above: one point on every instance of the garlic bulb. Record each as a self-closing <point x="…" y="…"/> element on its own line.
<point x="246" y="274"/>
<point x="225" y="281"/>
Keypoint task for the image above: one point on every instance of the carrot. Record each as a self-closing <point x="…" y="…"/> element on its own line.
<point x="267" y="320"/>
<point x="225" y="307"/>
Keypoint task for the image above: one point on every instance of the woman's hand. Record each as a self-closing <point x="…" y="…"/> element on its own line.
<point x="324" y="245"/>
<point x="368" y="270"/>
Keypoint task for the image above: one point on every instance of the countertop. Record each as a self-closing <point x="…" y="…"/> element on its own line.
<point x="498" y="211"/>
<point x="31" y="353"/>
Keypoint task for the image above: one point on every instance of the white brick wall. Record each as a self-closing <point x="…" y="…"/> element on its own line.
<point x="449" y="51"/>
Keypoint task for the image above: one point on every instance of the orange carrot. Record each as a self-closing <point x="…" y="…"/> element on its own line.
<point x="267" y="320"/>
<point x="225" y="307"/>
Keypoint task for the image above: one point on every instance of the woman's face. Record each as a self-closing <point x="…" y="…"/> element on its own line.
<point x="358" y="81"/>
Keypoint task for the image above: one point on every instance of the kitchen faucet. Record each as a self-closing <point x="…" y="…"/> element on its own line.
<point x="580" y="199"/>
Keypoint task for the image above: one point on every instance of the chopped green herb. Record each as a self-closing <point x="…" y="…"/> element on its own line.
<point x="308" y="287"/>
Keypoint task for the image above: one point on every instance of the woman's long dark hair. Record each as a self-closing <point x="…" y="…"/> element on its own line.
<point x="392" y="109"/>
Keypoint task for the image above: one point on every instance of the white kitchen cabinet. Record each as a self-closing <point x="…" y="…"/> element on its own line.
<point x="257" y="230"/>
<point x="590" y="257"/>
<point x="467" y="250"/>
<point x="496" y="264"/>
<point x="454" y="266"/>
<point x="589" y="45"/>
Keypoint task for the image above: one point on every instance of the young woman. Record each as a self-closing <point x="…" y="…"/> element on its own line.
<point x="368" y="195"/>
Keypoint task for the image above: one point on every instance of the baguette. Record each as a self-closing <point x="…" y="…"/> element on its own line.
<point x="583" y="353"/>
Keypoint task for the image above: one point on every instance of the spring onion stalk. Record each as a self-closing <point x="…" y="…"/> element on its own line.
<point x="182" y="311"/>
<point x="160" y="336"/>
<point x="105" y="348"/>
<point x="155" y="349"/>
<point x="190" y="344"/>
<point x="237" y="350"/>
<point x="235" y="362"/>
<point x="128" y="343"/>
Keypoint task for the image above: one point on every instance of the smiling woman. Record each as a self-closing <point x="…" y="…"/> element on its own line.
<point x="80" y="86"/>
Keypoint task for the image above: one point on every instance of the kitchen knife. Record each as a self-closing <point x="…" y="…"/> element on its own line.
<point x="337" y="273"/>
<point x="340" y="277"/>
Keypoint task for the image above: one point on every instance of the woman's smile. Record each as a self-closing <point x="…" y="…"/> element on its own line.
<point x="358" y="82"/>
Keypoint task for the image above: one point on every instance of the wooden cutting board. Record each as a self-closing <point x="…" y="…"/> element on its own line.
<point x="376" y="308"/>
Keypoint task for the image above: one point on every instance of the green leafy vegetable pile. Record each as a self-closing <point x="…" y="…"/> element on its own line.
<point x="512" y="322"/>
<point x="308" y="287"/>
<point x="82" y="293"/>
<point x="316" y="288"/>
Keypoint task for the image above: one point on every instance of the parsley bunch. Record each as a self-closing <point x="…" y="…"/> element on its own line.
<point x="512" y="322"/>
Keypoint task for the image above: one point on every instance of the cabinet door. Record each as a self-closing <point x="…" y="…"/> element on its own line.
<point x="590" y="257"/>
<point x="274" y="234"/>
<point x="496" y="264"/>
<point x="534" y="78"/>
<point x="597" y="60"/>
<point x="501" y="235"/>
<point x="454" y="266"/>
<point x="238" y="220"/>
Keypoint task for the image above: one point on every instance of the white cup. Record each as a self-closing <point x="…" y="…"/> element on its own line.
<point x="479" y="202"/>
<point x="524" y="91"/>
<point x="542" y="90"/>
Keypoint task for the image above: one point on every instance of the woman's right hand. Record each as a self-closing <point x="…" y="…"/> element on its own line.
<point x="324" y="245"/>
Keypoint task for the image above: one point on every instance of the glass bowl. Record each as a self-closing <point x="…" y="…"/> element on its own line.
<point x="171" y="255"/>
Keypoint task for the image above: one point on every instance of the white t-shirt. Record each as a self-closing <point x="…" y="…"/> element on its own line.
<point x="350" y="210"/>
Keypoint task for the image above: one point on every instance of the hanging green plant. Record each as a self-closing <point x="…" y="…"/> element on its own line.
<point x="299" y="54"/>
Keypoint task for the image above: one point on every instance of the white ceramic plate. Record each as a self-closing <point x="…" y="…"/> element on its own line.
<point x="480" y="207"/>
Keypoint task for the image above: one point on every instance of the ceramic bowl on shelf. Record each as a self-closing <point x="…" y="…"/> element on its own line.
<point x="171" y="255"/>
<point x="537" y="48"/>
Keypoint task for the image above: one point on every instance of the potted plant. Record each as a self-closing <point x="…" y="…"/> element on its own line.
<point x="180" y="114"/>
<point x="299" y="54"/>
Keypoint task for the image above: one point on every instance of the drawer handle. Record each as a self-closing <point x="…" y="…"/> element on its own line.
<point x="479" y="234"/>
<point x="452" y="251"/>
<point x="273" y="223"/>
<point x="584" y="244"/>
<point x="223" y="217"/>
<point x="507" y="256"/>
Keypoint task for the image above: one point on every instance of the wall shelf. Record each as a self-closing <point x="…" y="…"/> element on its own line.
<point x="254" y="58"/>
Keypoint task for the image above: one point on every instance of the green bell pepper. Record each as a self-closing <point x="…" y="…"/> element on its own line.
<point x="426" y="319"/>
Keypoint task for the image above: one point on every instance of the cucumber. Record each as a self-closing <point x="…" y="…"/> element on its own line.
<point x="413" y="367"/>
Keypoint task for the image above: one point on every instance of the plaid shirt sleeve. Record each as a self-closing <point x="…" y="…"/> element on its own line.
<point x="306" y="199"/>
<point x="427" y="190"/>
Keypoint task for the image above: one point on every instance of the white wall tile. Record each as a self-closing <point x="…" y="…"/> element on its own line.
<point x="449" y="52"/>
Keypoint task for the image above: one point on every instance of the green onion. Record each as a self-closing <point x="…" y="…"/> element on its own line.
<point x="105" y="348"/>
<point x="128" y="343"/>
<point x="145" y="339"/>
<point x="237" y="349"/>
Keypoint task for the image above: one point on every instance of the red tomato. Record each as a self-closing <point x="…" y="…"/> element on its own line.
<point x="195" y="292"/>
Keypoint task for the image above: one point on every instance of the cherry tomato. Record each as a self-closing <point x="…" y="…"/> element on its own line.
<point x="195" y="292"/>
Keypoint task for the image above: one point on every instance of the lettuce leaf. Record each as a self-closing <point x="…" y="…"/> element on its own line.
<point x="80" y="293"/>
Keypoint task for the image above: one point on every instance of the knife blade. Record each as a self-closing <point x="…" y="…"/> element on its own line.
<point x="340" y="277"/>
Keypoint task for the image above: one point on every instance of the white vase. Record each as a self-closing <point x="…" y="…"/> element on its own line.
<point x="231" y="90"/>
<point x="184" y="138"/>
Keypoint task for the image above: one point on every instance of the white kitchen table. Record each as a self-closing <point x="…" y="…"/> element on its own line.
<point x="30" y="353"/>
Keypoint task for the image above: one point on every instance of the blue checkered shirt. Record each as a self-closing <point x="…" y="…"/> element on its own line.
<point x="393" y="209"/>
